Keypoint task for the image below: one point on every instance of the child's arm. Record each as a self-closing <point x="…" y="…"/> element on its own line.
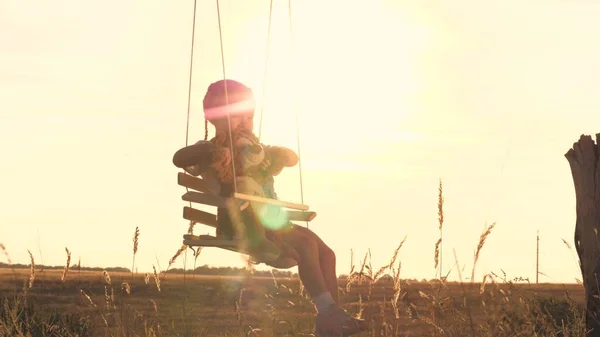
<point x="198" y="156"/>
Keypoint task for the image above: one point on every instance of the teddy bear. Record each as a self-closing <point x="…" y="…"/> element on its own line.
<point x="255" y="164"/>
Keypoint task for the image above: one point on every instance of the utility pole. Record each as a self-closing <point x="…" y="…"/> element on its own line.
<point x="537" y="258"/>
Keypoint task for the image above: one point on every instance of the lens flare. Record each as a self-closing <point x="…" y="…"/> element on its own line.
<point x="271" y="216"/>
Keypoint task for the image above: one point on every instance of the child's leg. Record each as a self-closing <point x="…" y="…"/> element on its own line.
<point x="327" y="261"/>
<point x="309" y="266"/>
<point x="316" y="269"/>
<point x="224" y="225"/>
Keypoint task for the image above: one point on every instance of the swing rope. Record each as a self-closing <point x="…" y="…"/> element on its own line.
<point x="227" y="100"/>
<point x="268" y="42"/>
<point x="264" y="86"/>
<point x="294" y="104"/>
<point x="189" y="99"/>
<point x="187" y="124"/>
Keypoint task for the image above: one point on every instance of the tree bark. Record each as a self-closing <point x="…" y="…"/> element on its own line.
<point x="584" y="161"/>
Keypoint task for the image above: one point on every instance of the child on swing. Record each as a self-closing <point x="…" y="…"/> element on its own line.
<point x="240" y="162"/>
<point x="315" y="260"/>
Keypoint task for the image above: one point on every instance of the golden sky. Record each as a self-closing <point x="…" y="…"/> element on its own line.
<point x="393" y="96"/>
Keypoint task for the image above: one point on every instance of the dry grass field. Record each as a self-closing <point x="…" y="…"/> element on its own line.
<point x="72" y="302"/>
<point x="122" y="304"/>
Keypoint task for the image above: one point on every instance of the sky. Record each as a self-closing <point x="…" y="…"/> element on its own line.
<point x="391" y="97"/>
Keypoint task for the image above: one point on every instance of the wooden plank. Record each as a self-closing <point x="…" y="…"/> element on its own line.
<point x="195" y="183"/>
<point x="212" y="241"/>
<point x="202" y="217"/>
<point x="211" y="200"/>
<point x="234" y="246"/>
<point x="301" y="216"/>
<point x="206" y="199"/>
<point x="270" y="201"/>
<point x="210" y="219"/>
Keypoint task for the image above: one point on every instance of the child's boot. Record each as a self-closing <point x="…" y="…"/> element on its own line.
<point x="338" y="322"/>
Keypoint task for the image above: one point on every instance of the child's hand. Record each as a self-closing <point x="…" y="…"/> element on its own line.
<point x="265" y="164"/>
<point x="271" y="165"/>
<point x="275" y="168"/>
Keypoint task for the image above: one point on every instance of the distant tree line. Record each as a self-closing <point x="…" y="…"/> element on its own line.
<point x="202" y="270"/>
<point x="75" y="267"/>
<point x="231" y="271"/>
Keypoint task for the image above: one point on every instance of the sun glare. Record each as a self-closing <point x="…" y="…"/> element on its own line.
<point x="353" y="83"/>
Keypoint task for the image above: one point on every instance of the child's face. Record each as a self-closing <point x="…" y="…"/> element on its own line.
<point x="241" y="122"/>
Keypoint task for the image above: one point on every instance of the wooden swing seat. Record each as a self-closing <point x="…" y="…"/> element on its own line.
<point x="211" y="241"/>
<point x="205" y="193"/>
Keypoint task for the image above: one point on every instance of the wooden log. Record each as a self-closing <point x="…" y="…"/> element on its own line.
<point x="195" y="183"/>
<point x="254" y="198"/>
<point x="584" y="161"/>
<point x="202" y="217"/>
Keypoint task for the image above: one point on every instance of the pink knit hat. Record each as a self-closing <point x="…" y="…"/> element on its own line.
<point x="239" y="100"/>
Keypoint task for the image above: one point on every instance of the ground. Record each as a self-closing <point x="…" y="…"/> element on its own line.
<point x="200" y="305"/>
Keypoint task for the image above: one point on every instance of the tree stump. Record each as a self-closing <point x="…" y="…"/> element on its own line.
<point x="584" y="161"/>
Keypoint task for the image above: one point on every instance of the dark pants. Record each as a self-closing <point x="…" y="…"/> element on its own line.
<point x="225" y="225"/>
